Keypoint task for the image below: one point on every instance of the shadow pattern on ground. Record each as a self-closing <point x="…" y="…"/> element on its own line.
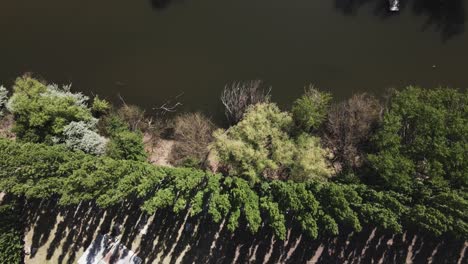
<point x="171" y="238"/>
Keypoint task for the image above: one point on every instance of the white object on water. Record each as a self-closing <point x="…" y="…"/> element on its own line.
<point x="394" y="5"/>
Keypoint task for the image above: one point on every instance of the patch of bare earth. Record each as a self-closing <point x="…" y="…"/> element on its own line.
<point x="158" y="149"/>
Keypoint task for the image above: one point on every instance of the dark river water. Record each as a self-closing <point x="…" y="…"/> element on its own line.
<point x="151" y="51"/>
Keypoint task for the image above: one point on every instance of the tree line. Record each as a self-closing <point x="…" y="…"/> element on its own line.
<point x="323" y="167"/>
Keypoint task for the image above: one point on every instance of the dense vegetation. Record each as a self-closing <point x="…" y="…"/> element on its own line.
<point x="10" y="234"/>
<point x="325" y="168"/>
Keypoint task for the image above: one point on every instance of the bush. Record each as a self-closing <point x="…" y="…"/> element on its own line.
<point x="42" y="111"/>
<point x="3" y="99"/>
<point x="127" y="145"/>
<point x="349" y="127"/>
<point x="193" y="133"/>
<point x="80" y="136"/>
<point x="133" y="115"/>
<point x="260" y="145"/>
<point x="310" y="110"/>
<point x="100" y="107"/>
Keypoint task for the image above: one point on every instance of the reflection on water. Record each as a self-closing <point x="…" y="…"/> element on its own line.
<point x="448" y="17"/>
<point x="150" y="51"/>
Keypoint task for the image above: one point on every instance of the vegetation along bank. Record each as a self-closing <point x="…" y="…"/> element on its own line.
<point x="395" y="164"/>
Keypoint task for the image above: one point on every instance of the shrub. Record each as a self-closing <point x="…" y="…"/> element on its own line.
<point x="42" y="111"/>
<point x="100" y="106"/>
<point x="260" y="144"/>
<point x="80" y="136"/>
<point x="193" y="133"/>
<point x="3" y="99"/>
<point x="310" y="110"/>
<point x="349" y="127"/>
<point x="111" y="125"/>
<point x="127" y="145"/>
<point x="238" y="96"/>
<point x="133" y="115"/>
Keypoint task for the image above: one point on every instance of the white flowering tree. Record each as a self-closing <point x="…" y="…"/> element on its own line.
<point x="81" y="136"/>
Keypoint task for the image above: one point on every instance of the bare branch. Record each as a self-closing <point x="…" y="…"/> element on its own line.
<point x="238" y="96"/>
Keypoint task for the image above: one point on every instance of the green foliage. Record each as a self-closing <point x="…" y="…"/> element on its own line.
<point x="421" y="152"/>
<point x="3" y="99"/>
<point x="336" y="204"/>
<point x="423" y="138"/>
<point x="100" y="106"/>
<point x="275" y="217"/>
<point x="10" y="234"/>
<point x="310" y="110"/>
<point x="81" y="136"/>
<point x="260" y="145"/>
<point x="127" y="145"/>
<point x="413" y="186"/>
<point x="245" y="199"/>
<point x="42" y="111"/>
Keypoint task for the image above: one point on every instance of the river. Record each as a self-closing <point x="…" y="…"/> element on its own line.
<point x="152" y="51"/>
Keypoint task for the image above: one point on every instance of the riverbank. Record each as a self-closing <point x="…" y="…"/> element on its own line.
<point x="321" y="173"/>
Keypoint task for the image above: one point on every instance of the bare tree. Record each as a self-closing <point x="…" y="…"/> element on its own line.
<point x="349" y="127"/>
<point x="192" y="134"/>
<point x="238" y="96"/>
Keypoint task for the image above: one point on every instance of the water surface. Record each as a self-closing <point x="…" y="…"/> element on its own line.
<point x="151" y="51"/>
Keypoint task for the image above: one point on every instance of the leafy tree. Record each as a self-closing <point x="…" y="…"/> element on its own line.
<point x="42" y="111"/>
<point x="310" y="110"/>
<point x="127" y="145"/>
<point x="261" y="145"/>
<point x="423" y="139"/>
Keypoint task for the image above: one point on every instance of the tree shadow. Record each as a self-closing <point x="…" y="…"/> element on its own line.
<point x="176" y="238"/>
<point x="447" y="17"/>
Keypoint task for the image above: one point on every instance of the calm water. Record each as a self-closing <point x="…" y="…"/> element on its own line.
<point x="152" y="51"/>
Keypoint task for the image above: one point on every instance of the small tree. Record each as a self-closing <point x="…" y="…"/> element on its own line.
<point x="260" y="146"/>
<point x="238" y="96"/>
<point x="349" y="127"/>
<point x="193" y="133"/>
<point x="127" y="145"/>
<point x="42" y="111"/>
<point x="310" y="110"/>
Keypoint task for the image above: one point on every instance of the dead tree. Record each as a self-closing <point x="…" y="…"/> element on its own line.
<point x="349" y="127"/>
<point x="238" y="96"/>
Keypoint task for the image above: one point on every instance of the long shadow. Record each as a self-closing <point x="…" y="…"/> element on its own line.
<point x="45" y="211"/>
<point x="447" y="16"/>
<point x="81" y="224"/>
